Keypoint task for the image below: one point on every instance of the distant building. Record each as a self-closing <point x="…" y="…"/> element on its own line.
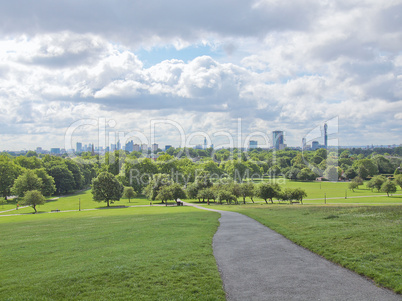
<point x="315" y="145"/>
<point x="277" y="140"/>
<point x="154" y="147"/>
<point x="79" y="147"/>
<point x="167" y="147"/>
<point x="205" y="143"/>
<point x="129" y="146"/>
<point x="326" y="136"/>
<point x="304" y="143"/>
<point x="136" y="147"/>
<point x="144" y="147"/>
<point x="39" y="150"/>
<point x="198" y="146"/>
<point x="55" y="151"/>
<point x="252" y="144"/>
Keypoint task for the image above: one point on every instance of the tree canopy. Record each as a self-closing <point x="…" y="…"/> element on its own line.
<point x="106" y="188"/>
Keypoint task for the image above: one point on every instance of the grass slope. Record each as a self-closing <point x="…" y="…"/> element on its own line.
<point x="365" y="239"/>
<point x="153" y="253"/>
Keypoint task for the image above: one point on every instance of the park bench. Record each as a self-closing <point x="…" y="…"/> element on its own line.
<point x="179" y="203"/>
<point x="295" y="202"/>
<point x="56" y="210"/>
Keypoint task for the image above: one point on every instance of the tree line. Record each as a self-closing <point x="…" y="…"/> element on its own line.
<point x="58" y="175"/>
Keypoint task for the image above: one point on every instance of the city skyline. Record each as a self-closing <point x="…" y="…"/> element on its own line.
<point x="275" y="64"/>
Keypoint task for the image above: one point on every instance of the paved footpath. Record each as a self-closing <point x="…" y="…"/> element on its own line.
<point x="257" y="263"/>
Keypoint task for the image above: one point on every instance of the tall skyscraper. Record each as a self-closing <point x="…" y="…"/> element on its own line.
<point x="326" y="136"/>
<point x="129" y="146"/>
<point x="155" y="147"/>
<point x="205" y="143"/>
<point x="277" y="140"/>
<point x="79" y="147"/>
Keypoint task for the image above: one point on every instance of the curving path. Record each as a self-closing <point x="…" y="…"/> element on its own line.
<point x="257" y="263"/>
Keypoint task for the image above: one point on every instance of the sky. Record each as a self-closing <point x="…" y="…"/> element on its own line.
<point x="176" y="72"/>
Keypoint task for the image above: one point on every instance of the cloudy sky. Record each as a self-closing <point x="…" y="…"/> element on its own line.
<point x="195" y="67"/>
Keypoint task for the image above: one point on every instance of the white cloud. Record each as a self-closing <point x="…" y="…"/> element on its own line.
<point x="277" y="65"/>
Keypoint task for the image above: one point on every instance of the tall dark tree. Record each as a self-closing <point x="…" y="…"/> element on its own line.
<point x="8" y="173"/>
<point x="48" y="185"/>
<point x="63" y="178"/>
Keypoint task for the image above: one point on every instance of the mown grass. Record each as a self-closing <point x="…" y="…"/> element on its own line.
<point x="317" y="193"/>
<point x="334" y="193"/>
<point x="153" y="253"/>
<point x="82" y="199"/>
<point x="365" y="239"/>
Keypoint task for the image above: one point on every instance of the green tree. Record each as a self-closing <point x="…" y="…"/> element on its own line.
<point x="164" y="194"/>
<point x="193" y="191"/>
<point x="350" y="173"/>
<point x="8" y="173"/>
<point x="292" y="173"/>
<point x="331" y="173"/>
<point x="28" y="163"/>
<point x="388" y="187"/>
<point x="77" y="173"/>
<point x="157" y="182"/>
<point x="26" y="182"/>
<point x="129" y="193"/>
<point x="106" y="188"/>
<point x="383" y="164"/>
<point x="398" y="180"/>
<point x="353" y="185"/>
<point x="206" y="193"/>
<point x="33" y="198"/>
<point x="63" y="178"/>
<point x="48" y="185"/>
<point x="369" y="165"/>
<point x="247" y="189"/>
<point x="322" y="152"/>
<point x="226" y="195"/>
<point x="377" y="181"/>
<point x="268" y="191"/>
<point x="306" y="175"/>
<point x="177" y="192"/>
<point x="299" y="194"/>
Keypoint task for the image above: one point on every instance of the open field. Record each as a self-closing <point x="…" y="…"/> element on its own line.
<point x="334" y="193"/>
<point x="365" y="239"/>
<point x="317" y="193"/>
<point x="72" y="202"/>
<point x="153" y="253"/>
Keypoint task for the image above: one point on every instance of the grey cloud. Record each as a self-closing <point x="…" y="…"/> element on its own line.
<point x="136" y="21"/>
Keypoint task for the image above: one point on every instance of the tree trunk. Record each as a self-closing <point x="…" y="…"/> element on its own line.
<point x="244" y="200"/>
<point x="107" y="202"/>
<point x="34" y="207"/>
<point x="266" y="201"/>
<point x="252" y="200"/>
<point x="271" y="200"/>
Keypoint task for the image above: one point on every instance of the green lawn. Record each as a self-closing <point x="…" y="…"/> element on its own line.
<point x="334" y="193"/>
<point x="365" y="239"/>
<point x="72" y="202"/>
<point x="152" y="253"/>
